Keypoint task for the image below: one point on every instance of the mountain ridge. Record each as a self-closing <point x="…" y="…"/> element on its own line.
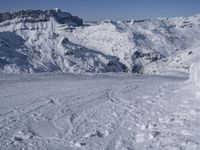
<point x="42" y="16"/>
<point x="151" y="46"/>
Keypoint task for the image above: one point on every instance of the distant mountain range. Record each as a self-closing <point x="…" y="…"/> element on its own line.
<point x="55" y="41"/>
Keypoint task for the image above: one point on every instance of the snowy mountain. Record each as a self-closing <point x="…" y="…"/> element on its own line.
<point x="115" y="111"/>
<point x="52" y="40"/>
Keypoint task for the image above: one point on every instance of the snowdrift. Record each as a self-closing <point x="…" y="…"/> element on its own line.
<point x="195" y="73"/>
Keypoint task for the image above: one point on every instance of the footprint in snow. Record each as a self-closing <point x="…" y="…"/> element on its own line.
<point x="22" y="135"/>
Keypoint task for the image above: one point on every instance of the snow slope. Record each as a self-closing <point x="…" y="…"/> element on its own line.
<point x="89" y="111"/>
<point x="97" y="112"/>
<point x="52" y="40"/>
<point x="39" y="46"/>
<point x="146" y="46"/>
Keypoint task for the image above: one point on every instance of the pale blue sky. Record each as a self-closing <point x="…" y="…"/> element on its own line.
<point x="110" y="9"/>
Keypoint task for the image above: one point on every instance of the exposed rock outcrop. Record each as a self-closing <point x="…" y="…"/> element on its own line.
<point x="42" y="16"/>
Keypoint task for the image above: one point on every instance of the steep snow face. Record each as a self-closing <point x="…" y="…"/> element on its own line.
<point x="41" y="47"/>
<point x="52" y="40"/>
<point x="105" y="37"/>
<point x="143" y="45"/>
<point x="188" y="28"/>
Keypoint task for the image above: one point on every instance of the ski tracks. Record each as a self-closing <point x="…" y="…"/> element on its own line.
<point x="130" y="113"/>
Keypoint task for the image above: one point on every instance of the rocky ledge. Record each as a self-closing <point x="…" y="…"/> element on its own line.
<point x="42" y="16"/>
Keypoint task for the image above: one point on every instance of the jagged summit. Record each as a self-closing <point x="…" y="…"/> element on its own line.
<point x="42" y="16"/>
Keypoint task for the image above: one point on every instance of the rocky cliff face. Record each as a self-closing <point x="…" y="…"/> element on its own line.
<point x="42" y="16"/>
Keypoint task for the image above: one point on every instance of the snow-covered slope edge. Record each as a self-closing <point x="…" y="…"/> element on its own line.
<point x="195" y="74"/>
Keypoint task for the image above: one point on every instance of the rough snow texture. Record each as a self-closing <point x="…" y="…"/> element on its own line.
<point x="52" y="40"/>
<point x="97" y="112"/>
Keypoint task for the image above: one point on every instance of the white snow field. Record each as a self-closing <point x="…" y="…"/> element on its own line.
<point x="55" y="111"/>
<point x="73" y="107"/>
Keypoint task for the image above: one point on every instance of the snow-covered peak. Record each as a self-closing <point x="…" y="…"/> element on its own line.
<point x="57" y="9"/>
<point x="138" y="46"/>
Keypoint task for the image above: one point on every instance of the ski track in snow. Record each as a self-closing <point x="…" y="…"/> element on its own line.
<point x="111" y="112"/>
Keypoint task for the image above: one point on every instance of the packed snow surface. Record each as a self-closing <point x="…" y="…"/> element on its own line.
<point x="98" y="112"/>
